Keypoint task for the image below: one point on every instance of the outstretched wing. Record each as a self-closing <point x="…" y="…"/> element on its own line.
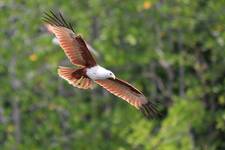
<point x="74" y="46"/>
<point x="130" y="94"/>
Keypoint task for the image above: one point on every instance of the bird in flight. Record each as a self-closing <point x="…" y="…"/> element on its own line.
<point x="89" y="72"/>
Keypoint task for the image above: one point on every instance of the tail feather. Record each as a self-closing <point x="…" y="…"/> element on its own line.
<point x="76" y="77"/>
<point x="66" y="73"/>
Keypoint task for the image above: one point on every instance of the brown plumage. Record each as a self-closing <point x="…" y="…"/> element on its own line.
<point x="128" y="93"/>
<point x="76" y="50"/>
<point x="73" y="46"/>
<point x="76" y="77"/>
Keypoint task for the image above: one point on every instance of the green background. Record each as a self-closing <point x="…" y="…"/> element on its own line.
<point x="173" y="51"/>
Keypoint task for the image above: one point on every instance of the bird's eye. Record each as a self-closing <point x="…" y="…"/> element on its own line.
<point x="110" y="73"/>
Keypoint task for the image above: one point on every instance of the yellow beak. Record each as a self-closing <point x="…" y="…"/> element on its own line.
<point x="113" y="76"/>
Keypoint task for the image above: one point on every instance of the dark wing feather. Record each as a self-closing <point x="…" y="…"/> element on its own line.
<point x="53" y="18"/>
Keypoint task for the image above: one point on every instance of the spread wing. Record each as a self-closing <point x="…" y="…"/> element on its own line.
<point x="74" y="46"/>
<point x="130" y="94"/>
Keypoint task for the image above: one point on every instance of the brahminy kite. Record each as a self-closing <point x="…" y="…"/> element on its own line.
<point x="89" y="72"/>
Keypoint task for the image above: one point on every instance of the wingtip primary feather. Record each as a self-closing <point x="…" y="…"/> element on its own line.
<point x="149" y="110"/>
<point x="56" y="19"/>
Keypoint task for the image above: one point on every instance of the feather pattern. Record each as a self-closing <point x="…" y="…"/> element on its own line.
<point x="130" y="94"/>
<point x="74" y="46"/>
<point x="55" y="19"/>
<point x="76" y="77"/>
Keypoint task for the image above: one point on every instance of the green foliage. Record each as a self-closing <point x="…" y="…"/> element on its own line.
<point x="171" y="50"/>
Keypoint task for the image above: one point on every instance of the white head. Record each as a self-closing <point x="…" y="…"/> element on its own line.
<point x="109" y="74"/>
<point x="99" y="73"/>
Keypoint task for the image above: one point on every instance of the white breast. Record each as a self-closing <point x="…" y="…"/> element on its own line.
<point x="97" y="73"/>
